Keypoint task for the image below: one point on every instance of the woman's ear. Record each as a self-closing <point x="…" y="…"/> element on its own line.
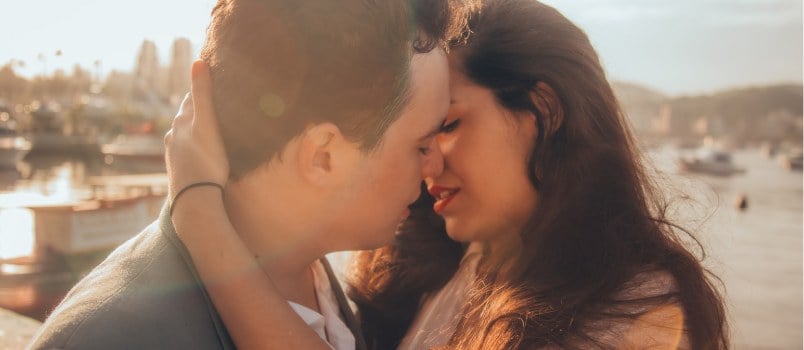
<point x="549" y="105"/>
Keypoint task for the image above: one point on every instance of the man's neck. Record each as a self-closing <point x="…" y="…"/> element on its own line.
<point x="284" y="246"/>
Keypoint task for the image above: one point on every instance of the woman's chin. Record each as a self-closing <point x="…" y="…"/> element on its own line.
<point x="457" y="233"/>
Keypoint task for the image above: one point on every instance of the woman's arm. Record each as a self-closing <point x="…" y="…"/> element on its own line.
<point x="255" y="314"/>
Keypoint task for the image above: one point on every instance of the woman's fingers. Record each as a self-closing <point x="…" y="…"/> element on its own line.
<point x="201" y="88"/>
<point x="182" y="120"/>
<point x="205" y="134"/>
<point x="185" y="112"/>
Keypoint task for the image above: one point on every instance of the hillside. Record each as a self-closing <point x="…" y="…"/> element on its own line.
<point x="752" y="113"/>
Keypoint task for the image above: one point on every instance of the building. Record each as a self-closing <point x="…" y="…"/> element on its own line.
<point x="146" y="69"/>
<point x="179" y="70"/>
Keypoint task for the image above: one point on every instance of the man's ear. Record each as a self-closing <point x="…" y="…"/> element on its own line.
<point x="320" y="148"/>
<point x="549" y="105"/>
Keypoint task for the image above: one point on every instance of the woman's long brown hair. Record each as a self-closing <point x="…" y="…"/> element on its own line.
<point x="600" y="220"/>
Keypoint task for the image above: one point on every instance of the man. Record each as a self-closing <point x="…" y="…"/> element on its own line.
<point x="327" y="110"/>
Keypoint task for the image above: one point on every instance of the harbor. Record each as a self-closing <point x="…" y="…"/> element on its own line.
<point x="72" y="189"/>
<point x="60" y="217"/>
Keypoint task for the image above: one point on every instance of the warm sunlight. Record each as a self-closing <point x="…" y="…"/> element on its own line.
<point x="593" y="140"/>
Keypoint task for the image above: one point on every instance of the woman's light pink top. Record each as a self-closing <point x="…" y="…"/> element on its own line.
<point x="658" y="328"/>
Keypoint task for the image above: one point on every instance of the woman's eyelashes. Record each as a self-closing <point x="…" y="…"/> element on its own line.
<point x="449" y="127"/>
<point x="445" y="128"/>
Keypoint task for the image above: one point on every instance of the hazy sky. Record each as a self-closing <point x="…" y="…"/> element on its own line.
<point x="679" y="47"/>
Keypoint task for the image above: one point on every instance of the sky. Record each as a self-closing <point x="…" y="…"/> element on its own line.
<point x="677" y="47"/>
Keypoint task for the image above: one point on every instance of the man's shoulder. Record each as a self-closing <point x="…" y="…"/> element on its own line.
<point x="144" y="295"/>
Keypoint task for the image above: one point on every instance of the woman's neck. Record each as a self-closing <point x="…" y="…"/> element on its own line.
<point x="500" y="256"/>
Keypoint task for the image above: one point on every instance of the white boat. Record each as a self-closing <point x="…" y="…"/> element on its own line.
<point x="13" y="147"/>
<point x="709" y="161"/>
<point x="102" y="222"/>
<point x="92" y="225"/>
<point x="135" y="147"/>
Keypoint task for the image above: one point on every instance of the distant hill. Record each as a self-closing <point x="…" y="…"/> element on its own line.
<point x="741" y="103"/>
<point x="734" y="112"/>
<point x="627" y="91"/>
<point x="639" y="102"/>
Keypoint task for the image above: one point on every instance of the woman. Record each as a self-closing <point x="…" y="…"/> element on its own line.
<point x="550" y="234"/>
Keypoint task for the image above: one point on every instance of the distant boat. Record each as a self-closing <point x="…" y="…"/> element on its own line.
<point x="135" y="147"/>
<point x="47" y="133"/>
<point x="13" y="146"/>
<point x="710" y="161"/>
<point x="49" y="142"/>
<point x="769" y="150"/>
<point x="792" y="161"/>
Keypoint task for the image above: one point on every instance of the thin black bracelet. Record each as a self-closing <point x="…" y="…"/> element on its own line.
<point x="197" y="184"/>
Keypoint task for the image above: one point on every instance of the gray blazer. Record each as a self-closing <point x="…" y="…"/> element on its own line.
<point x="147" y="295"/>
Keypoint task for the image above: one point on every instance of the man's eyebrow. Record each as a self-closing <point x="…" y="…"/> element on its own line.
<point x="434" y="131"/>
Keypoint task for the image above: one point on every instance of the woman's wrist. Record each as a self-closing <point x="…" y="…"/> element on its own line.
<point x="175" y="197"/>
<point x="197" y="208"/>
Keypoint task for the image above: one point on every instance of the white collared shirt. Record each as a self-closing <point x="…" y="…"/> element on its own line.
<point x="328" y="324"/>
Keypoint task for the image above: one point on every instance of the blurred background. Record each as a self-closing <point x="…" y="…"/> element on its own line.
<point x="713" y="89"/>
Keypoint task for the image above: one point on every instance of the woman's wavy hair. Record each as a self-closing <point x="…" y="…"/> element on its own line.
<point x="599" y="223"/>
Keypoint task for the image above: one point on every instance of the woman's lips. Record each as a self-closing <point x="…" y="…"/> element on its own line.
<point x="443" y="196"/>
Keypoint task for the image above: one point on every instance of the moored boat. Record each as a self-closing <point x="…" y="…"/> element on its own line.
<point x="135" y="147"/>
<point x="127" y="204"/>
<point x="792" y="161"/>
<point x="71" y="238"/>
<point x="709" y="161"/>
<point x="92" y="225"/>
<point x="13" y="146"/>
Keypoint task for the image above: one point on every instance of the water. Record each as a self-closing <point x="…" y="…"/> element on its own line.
<point x="46" y="180"/>
<point x="757" y="252"/>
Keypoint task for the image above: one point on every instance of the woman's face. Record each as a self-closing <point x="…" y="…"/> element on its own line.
<point x="483" y="194"/>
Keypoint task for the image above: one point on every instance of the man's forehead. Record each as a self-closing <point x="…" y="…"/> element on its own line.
<point x="428" y="99"/>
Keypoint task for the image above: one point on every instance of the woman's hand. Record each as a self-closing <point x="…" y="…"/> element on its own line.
<point x="245" y="297"/>
<point x="194" y="150"/>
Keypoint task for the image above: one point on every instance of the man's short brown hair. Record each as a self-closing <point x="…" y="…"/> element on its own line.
<point x="279" y="65"/>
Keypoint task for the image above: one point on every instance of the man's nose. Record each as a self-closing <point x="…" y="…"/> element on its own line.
<point x="434" y="162"/>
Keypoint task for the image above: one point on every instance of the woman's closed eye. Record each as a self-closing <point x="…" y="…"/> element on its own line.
<point x="424" y="150"/>
<point x="449" y="127"/>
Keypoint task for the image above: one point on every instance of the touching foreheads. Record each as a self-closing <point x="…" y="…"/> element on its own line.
<point x="279" y="65"/>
